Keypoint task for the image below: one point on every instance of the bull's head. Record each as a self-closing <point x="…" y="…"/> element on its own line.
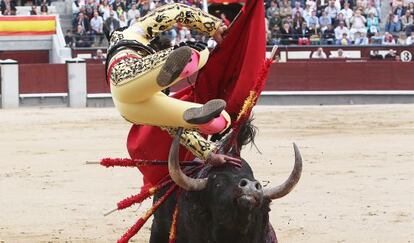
<point x="247" y="193"/>
<point x="226" y="203"/>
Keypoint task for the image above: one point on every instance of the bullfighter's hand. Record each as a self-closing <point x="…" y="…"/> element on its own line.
<point x="220" y="159"/>
<point x="218" y="36"/>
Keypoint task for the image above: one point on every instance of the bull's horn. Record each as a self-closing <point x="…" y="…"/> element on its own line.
<point x="182" y="180"/>
<point x="290" y="183"/>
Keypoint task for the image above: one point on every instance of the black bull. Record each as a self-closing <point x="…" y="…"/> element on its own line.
<point x="224" y="204"/>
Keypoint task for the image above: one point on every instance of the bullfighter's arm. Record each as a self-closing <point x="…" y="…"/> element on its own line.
<point x="194" y="142"/>
<point x="165" y="17"/>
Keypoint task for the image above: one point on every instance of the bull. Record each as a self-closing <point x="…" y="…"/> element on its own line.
<point x="224" y="204"/>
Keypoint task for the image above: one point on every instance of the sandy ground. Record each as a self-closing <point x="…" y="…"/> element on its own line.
<point x="357" y="184"/>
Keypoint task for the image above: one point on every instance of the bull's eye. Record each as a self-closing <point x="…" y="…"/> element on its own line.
<point x="218" y="185"/>
<point x="258" y="186"/>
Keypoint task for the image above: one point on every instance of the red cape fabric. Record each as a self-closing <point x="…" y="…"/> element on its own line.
<point x="230" y="74"/>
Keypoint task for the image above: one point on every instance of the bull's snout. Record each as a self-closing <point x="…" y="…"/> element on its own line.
<point x="251" y="193"/>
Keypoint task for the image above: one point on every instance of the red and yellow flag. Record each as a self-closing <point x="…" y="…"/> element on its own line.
<point x="27" y="25"/>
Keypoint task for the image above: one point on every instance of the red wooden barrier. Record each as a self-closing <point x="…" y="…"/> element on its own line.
<point x="325" y="76"/>
<point x="41" y="78"/>
<point x="290" y="76"/>
<point x="95" y="76"/>
<point x="26" y="57"/>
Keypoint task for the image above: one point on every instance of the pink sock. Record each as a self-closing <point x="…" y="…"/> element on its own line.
<point x="192" y="66"/>
<point x="214" y="126"/>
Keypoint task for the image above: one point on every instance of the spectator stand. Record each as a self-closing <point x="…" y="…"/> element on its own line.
<point x="355" y="53"/>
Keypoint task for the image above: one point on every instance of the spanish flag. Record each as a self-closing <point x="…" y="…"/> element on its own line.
<point x="27" y="25"/>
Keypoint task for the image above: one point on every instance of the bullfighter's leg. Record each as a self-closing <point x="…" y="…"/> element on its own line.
<point x="161" y="110"/>
<point x="136" y="84"/>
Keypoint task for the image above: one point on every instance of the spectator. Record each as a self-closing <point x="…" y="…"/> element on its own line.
<point x="133" y="13"/>
<point x="40" y="2"/>
<point x="33" y="10"/>
<point x="392" y="23"/>
<point x="391" y="55"/>
<point x="286" y="34"/>
<point x="75" y="9"/>
<point x="297" y="21"/>
<point x="69" y="38"/>
<point x="90" y="8"/>
<point x="274" y="20"/>
<point x="104" y="9"/>
<point x="82" y="38"/>
<point x="118" y="3"/>
<point x="388" y="39"/>
<point x="410" y="7"/>
<point x="319" y="54"/>
<point x="43" y="8"/>
<point x="307" y="12"/>
<point x="402" y="39"/>
<point x="303" y="34"/>
<point x="348" y="13"/>
<point x="296" y="9"/>
<point x="399" y="11"/>
<point x="340" y="30"/>
<point x="99" y="55"/>
<point x="8" y="7"/>
<point x="272" y="10"/>
<point x="375" y="55"/>
<point x="370" y="9"/>
<point x="328" y="36"/>
<point x="313" y="22"/>
<point x="340" y="54"/>
<point x="122" y="21"/>
<point x="83" y="21"/>
<point x="360" y="39"/>
<point x="312" y="4"/>
<point x="332" y="11"/>
<point x="274" y="38"/>
<point x="358" y="23"/>
<point x="407" y="22"/>
<point x="97" y="27"/>
<point x="397" y="3"/>
<point x="109" y="13"/>
<point x="324" y="21"/>
<point x="410" y="39"/>
<point x="360" y="5"/>
<point x="344" y="40"/>
<point x="372" y="25"/>
<point x="120" y="12"/>
<point x="340" y="18"/>
<point x="376" y="39"/>
<point x="111" y="23"/>
<point x="285" y="10"/>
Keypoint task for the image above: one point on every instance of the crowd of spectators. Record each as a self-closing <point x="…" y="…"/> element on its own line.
<point x="339" y="22"/>
<point x="92" y="18"/>
<point x="341" y="54"/>
<point x="38" y="7"/>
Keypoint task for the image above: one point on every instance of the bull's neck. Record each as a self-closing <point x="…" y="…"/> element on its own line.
<point x="247" y="230"/>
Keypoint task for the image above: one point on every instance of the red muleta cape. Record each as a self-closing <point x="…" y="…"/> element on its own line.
<point x="231" y="73"/>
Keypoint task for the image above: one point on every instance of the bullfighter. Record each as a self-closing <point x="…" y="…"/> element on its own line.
<point x="139" y="68"/>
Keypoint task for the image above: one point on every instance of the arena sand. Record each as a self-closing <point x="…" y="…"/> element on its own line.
<point x="357" y="183"/>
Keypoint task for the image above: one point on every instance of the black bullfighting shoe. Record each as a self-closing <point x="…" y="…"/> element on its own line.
<point x="174" y="65"/>
<point x="205" y="113"/>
